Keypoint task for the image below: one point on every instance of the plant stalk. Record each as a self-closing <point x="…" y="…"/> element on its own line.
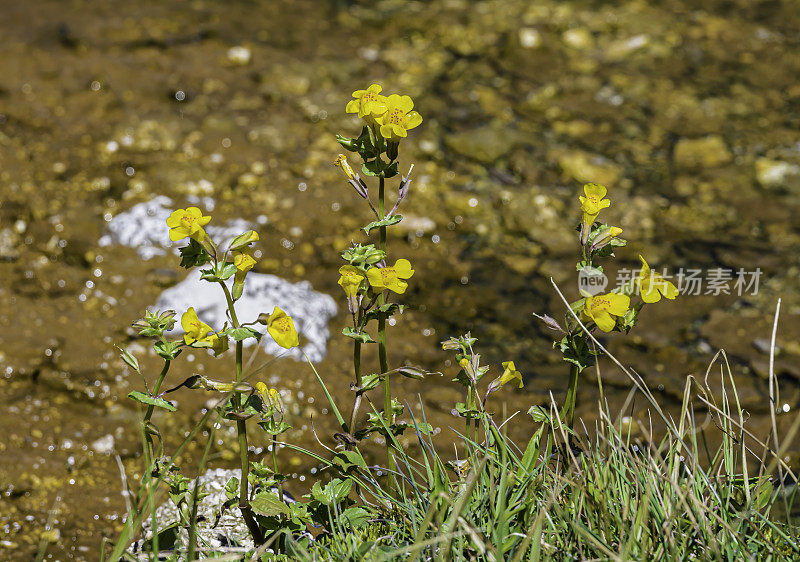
<point x="241" y="430"/>
<point x="572" y="394"/>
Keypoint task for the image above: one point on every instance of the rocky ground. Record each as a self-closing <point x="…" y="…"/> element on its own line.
<point x="690" y="117"/>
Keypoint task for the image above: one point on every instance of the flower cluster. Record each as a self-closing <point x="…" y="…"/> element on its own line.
<point x="392" y="115"/>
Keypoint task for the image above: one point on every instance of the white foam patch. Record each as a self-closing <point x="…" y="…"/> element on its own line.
<point x="144" y="227"/>
<point x="310" y="310"/>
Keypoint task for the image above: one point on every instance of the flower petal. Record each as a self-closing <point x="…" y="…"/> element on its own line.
<point x="352" y="106"/>
<point x="375" y="88"/>
<point x="403" y="268"/>
<point x="604" y="321"/>
<point x="413" y="119"/>
<point x="595" y="190"/>
<point x="618" y="305"/>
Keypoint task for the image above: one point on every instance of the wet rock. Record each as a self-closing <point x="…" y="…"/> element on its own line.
<point x="239" y="55"/>
<point x="578" y="38"/>
<point x="485" y="144"/>
<point x="310" y="310"/>
<point x="705" y="152"/>
<point x="150" y="136"/>
<point x="776" y="173"/>
<point x="586" y="167"/>
<point x="104" y="445"/>
<point x="9" y="244"/>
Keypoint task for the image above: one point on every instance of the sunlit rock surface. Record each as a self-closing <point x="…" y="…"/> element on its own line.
<point x="310" y="310"/>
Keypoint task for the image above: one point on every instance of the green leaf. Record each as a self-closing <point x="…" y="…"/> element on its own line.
<point x="194" y="255"/>
<point x="413" y="372"/>
<point x="368" y="382"/>
<point x="349" y="459"/>
<point x="356" y="517"/>
<point x="143" y="398"/>
<point x="575" y="352"/>
<point x="334" y="491"/>
<point x="232" y="488"/>
<point x="386" y="310"/>
<point x="539" y="414"/>
<point x="363" y="337"/>
<point x="129" y="359"/>
<point x="268" y="504"/>
<point x="220" y="272"/>
<point x="242" y="333"/>
<point x="466" y="412"/>
<point x="347" y="143"/>
<point x="168" y="350"/>
<point x="274" y="427"/>
<point x="388" y="221"/>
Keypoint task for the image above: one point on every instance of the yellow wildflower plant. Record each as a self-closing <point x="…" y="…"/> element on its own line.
<point x="195" y="328"/>
<point x="350" y="280"/>
<point x="367" y="103"/>
<point x="391" y="277"/>
<point x="593" y="202"/>
<point x="602" y="309"/>
<point x="281" y="327"/>
<point x="653" y="286"/>
<point x="399" y="118"/>
<point x="187" y="222"/>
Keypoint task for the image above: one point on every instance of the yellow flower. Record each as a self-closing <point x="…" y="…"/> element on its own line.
<point x="281" y="327"/>
<point x="510" y="374"/>
<point x="367" y="103"/>
<point x="342" y="162"/>
<point x="270" y="396"/>
<point x="652" y="285"/>
<point x="593" y="203"/>
<point x="350" y="280"/>
<point x="398" y="118"/>
<point x="243" y="240"/>
<point x="603" y="308"/>
<point x="244" y="262"/>
<point x="187" y="223"/>
<point x="391" y="278"/>
<point x="195" y="329"/>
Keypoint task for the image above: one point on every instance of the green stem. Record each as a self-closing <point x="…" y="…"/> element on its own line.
<point x="241" y="430"/>
<point x="359" y="381"/>
<point x="387" y="392"/>
<point x="275" y="461"/>
<point x="148" y="450"/>
<point x="572" y="394"/>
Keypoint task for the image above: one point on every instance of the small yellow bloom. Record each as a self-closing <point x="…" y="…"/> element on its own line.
<point x="392" y="277"/>
<point x="367" y="103"/>
<point x="195" y="329"/>
<point x="603" y="308"/>
<point x="187" y="223"/>
<point x="398" y="118"/>
<point x="270" y="396"/>
<point x="342" y="162"/>
<point x="350" y="280"/>
<point x="510" y="373"/>
<point x="281" y="327"/>
<point x="593" y="203"/>
<point x="243" y="261"/>
<point x="243" y="240"/>
<point x="652" y="285"/>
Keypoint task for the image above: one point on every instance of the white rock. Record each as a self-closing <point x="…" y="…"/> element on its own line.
<point x="239" y="55"/>
<point x="775" y="173"/>
<point x="104" y="445"/>
<point x="144" y="227"/>
<point x="310" y="310"/>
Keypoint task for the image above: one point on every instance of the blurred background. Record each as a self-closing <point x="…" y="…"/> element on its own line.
<point x="688" y="111"/>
